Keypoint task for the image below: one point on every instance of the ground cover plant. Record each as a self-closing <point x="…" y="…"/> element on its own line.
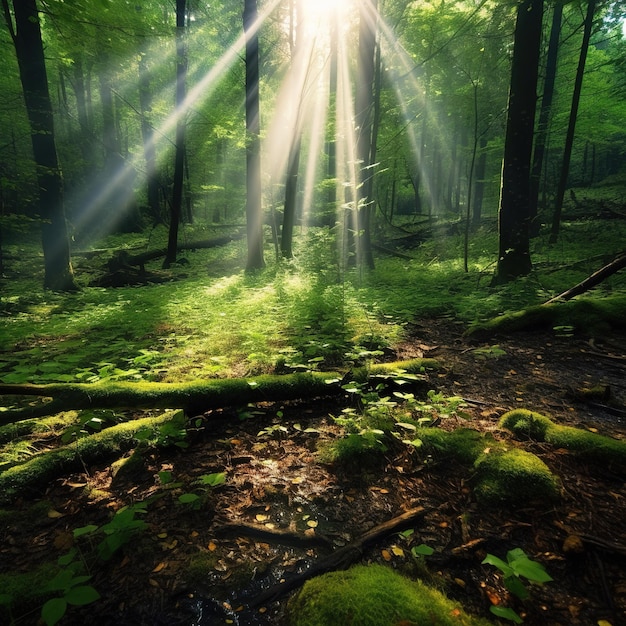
<point x="199" y="514"/>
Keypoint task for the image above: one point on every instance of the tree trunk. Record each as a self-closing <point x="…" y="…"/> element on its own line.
<point x="26" y="36"/>
<point x="149" y="148"/>
<point x="514" y="215"/>
<point x="364" y="112"/>
<point x="179" y="156"/>
<point x="544" y="117"/>
<point x="254" y="207"/>
<point x="571" y="127"/>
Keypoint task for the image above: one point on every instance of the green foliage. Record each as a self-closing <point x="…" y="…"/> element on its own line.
<point x="206" y="483"/>
<point x="517" y="566"/>
<point x="172" y="432"/>
<point x="372" y="595"/>
<point x="122" y="528"/>
<point x="69" y="583"/>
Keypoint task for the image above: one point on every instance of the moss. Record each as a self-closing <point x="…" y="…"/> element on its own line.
<point x="513" y="477"/>
<point x="462" y="444"/>
<point x="200" y="568"/>
<point x="21" y="590"/>
<point x="372" y="595"/>
<point x="37" y="471"/>
<point x="589" y="446"/>
<point x="591" y="315"/>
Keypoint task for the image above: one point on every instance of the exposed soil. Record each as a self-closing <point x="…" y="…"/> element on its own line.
<point x="274" y="479"/>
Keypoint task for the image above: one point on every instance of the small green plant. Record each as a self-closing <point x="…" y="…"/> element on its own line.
<point x="518" y="566"/>
<point x="206" y="482"/>
<point x="88" y="423"/>
<point x="489" y="352"/>
<point x="119" y="531"/>
<point x="69" y="584"/>
<point x="170" y="433"/>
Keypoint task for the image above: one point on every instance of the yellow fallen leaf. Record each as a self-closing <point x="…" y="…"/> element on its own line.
<point x="386" y="555"/>
<point x="384" y="491"/>
<point x="153" y="582"/>
<point x="162" y="565"/>
<point x="262" y="518"/>
<point x="397" y="550"/>
<point x="603" y="622"/>
<point x="312" y="523"/>
<point x="52" y="514"/>
<point x="162" y="535"/>
<point x="212" y="546"/>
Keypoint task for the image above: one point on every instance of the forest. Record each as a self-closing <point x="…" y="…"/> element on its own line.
<point x="313" y="313"/>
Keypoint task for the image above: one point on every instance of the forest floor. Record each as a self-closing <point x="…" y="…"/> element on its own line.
<point x="179" y="571"/>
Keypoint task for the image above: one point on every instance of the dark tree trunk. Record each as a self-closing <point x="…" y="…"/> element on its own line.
<point x="479" y="184"/>
<point x="571" y="128"/>
<point x="544" y="117"/>
<point x="514" y="215"/>
<point x="254" y="207"/>
<point x="179" y="155"/>
<point x="26" y="36"/>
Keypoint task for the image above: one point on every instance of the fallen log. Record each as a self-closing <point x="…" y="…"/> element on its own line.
<point x="341" y="558"/>
<point x="263" y="534"/>
<point x="195" y="397"/>
<point x="591" y="281"/>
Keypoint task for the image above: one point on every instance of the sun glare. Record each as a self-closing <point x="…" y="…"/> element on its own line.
<point x="322" y="8"/>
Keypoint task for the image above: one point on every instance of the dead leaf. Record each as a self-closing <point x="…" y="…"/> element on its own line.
<point x="312" y="523"/>
<point x="262" y="518"/>
<point x="212" y="546"/>
<point x="153" y="583"/>
<point x="386" y="555"/>
<point x="64" y="541"/>
<point x="162" y="565"/>
<point x="397" y="550"/>
<point x="52" y="514"/>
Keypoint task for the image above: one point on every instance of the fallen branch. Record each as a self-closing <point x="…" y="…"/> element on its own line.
<point x="272" y="535"/>
<point x="596" y="278"/>
<point x="341" y="558"/>
<point x="194" y="398"/>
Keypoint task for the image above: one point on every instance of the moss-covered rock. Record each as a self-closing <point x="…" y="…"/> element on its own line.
<point x="373" y="595"/>
<point x="527" y="424"/>
<point x="513" y="477"/>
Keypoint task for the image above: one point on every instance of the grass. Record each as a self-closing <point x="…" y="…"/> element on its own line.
<point x="214" y="320"/>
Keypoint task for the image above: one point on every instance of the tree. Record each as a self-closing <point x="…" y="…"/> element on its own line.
<point x="254" y="207"/>
<point x="179" y="156"/>
<point x="514" y="214"/>
<point x="26" y="36"/>
<point x="364" y="113"/>
<point x="571" y="127"/>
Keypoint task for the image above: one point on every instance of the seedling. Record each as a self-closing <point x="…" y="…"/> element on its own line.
<point x="70" y="585"/>
<point x="206" y="482"/>
<point x="518" y="566"/>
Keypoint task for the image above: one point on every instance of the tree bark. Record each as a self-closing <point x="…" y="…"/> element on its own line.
<point x="544" y="117"/>
<point x="254" y="207"/>
<point x="571" y="127"/>
<point x="514" y="215"/>
<point x="179" y="158"/>
<point x="26" y="35"/>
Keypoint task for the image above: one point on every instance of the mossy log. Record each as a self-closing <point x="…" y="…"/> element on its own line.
<point x="193" y="397"/>
<point x="590" y="446"/>
<point x="589" y="315"/>
<point x="35" y="473"/>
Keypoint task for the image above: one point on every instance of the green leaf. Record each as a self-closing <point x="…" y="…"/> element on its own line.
<point x="85" y="530"/>
<point x="490" y="559"/>
<point x="506" y="613"/>
<point x="53" y="610"/>
<point x="422" y="550"/>
<point x="213" y="480"/>
<point x="531" y="570"/>
<point x="516" y="587"/>
<point x="188" y="498"/>
<point x="79" y="596"/>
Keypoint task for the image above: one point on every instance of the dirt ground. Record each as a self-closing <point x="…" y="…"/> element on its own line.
<point x="185" y="569"/>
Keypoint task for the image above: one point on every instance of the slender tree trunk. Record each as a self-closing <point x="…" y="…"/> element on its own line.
<point x="544" y="117"/>
<point x="179" y="155"/>
<point x="254" y="207"/>
<point x="514" y="215"/>
<point x="479" y="184"/>
<point x="364" y="110"/>
<point x="571" y="127"/>
<point x="26" y="35"/>
<point x="331" y="146"/>
<point x="149" y="148"/>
